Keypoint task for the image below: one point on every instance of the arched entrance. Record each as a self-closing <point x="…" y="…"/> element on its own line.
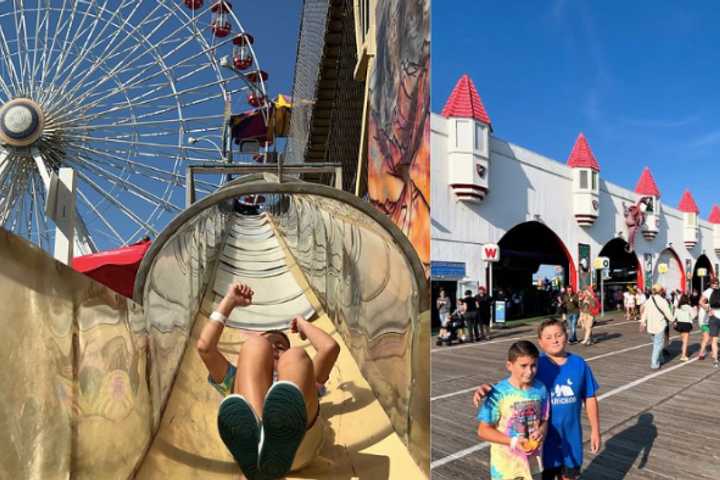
<point x="673" y="275"/>
<point x="523" y="250"/>
<point x="625" y="271"/>
<point x="700" y="283"/>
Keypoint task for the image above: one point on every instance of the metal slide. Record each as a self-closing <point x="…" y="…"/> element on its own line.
<point x="105" y="388"/>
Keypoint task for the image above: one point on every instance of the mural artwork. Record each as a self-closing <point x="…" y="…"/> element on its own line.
<point x="399" y="120"/>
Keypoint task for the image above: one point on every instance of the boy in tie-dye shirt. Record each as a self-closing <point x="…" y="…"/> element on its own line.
<point x="514" y="417"/>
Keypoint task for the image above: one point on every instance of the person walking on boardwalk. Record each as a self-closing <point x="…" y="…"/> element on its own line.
<point x="571" y="383"/>
<point x="702" y="317"/>
<point x="268" y="418"/>
<point x="443" y="307"/>
<point x="484" y="312"/>
<point x="683" y="322"/>
<point x="470" y="316"/>
<point x="629" y="303"/>
<point x="570" y="303"/>
<point x="656" y="316"/>
<point x="710" y="301"/>
<point x="588" y="307"/>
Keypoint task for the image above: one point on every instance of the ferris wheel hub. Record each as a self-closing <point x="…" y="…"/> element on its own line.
<point x="21" y="122"/>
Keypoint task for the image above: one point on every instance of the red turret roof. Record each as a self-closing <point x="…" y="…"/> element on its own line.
<point x="646" y="185"/>
<point x="687" y="203"/>
<point x="714" y="215"/>
<point x="464" y="102"/>
<point x="581" y="155"/>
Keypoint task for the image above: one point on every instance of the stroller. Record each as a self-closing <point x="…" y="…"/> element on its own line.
<point x="454" y="330"/>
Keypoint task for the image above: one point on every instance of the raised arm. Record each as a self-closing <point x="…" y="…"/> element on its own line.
<point x="237" y="295"/>
<point x="327" y="348"/>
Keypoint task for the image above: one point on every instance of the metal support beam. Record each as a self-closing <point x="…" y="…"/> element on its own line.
<point x="240" y="169"/>
<point x="62" y="212"/>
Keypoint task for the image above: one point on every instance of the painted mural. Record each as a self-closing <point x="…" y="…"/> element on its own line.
<point x="399" y="119"/>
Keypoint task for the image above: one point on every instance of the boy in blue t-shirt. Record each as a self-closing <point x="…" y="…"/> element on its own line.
<point x="514" y="417"/>
<point x="571" y="384"/>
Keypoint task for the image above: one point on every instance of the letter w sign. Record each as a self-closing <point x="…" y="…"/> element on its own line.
<point x="490" y="252"/>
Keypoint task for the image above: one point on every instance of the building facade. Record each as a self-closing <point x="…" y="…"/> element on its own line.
<point x="539" y="211"/>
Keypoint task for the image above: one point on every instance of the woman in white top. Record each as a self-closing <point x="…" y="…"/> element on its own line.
<point x="640" y="299"/>
<point x="629" y="302"/>
<point x="655" y="317"/>
<point x="683" y="323"/>
<point x="443" y="306"/>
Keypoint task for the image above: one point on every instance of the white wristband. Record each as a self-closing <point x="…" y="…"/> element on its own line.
<point x="218" y="317"/>
<point x="514" y="441"/>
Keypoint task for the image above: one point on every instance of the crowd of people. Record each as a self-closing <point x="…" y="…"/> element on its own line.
<point x="470" y="322"/>
<point x="662" y="311"/>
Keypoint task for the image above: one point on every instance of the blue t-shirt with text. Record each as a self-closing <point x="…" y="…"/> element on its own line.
<point x="568" y="384"/>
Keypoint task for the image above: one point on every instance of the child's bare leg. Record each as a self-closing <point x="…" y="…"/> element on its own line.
<point x="703" y="344"/>
<point x="295" y="366"/>
<point x="254" y="372"/>
<point x="684" y="343"/>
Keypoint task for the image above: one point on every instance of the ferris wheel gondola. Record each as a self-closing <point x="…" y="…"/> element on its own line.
<point x="113" y="89"/>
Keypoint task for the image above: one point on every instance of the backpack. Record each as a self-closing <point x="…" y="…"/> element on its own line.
<point x="596" y="306"/>
<point x="714" y="299"/>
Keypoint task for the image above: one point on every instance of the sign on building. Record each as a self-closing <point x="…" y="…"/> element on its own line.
<point x="490" y="252"/>
<point x="601" y="263"/>
<point x="447" y="270"/>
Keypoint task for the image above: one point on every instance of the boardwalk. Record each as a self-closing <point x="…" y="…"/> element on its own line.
<point x="656" y="424"/>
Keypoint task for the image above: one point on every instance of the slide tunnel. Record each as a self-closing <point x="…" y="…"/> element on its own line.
<point x="103" y="387"/>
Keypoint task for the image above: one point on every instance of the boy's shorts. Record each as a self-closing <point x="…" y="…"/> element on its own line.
<point x="714" y="324"/>
<point x="705" y="328"/>
<point x="560" y="473"/>
<point x="225" y="387"/>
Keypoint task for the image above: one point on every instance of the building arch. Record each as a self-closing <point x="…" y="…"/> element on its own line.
<point x="698" y="282"/>
<point x="674" y="277"/>
<point x="625" y="266"/>
<point x="523" y="249"/>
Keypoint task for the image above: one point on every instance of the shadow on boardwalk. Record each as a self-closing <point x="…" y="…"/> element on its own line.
<point x="622" y="450"/>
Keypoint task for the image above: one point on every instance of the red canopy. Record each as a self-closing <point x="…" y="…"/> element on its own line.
<point x="114" y="268"/>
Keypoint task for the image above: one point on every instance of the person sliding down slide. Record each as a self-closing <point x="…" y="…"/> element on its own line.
<point x="269" y="416"/>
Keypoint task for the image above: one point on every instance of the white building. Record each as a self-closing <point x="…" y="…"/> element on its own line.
<point x="544" y="212"/>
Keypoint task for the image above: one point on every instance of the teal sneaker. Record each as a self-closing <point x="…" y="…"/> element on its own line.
<point x="284" y="425"/>
<point x="241" y="431"/>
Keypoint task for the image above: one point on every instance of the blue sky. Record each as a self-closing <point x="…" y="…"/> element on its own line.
<point x="640" y="79"/>
<point x="275" y="25"/>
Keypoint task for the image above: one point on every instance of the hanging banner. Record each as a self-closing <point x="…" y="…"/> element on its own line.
<point x="584" y="270"/>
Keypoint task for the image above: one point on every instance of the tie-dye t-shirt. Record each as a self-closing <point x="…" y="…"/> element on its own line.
<point x="514" y="411"/>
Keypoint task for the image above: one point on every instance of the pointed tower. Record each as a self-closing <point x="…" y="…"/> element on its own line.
<point x="649" y="194"/>
<point x="468" y="149"/>
<point x="715" y="220"/>
<point x="690" y="219"/>
<point x="586" y="182"/>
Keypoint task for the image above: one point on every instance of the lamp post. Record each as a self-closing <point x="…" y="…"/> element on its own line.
<point x="194" y="140"/>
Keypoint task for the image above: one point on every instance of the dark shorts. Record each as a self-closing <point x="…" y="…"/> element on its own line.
<point x="714" y="324"/>
<point x="561" y="472"/>
<point x="484" y="320"/>
<point x="683" y="327"/>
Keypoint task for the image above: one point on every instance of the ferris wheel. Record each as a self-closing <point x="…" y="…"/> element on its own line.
<point x="127" y="93"/>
